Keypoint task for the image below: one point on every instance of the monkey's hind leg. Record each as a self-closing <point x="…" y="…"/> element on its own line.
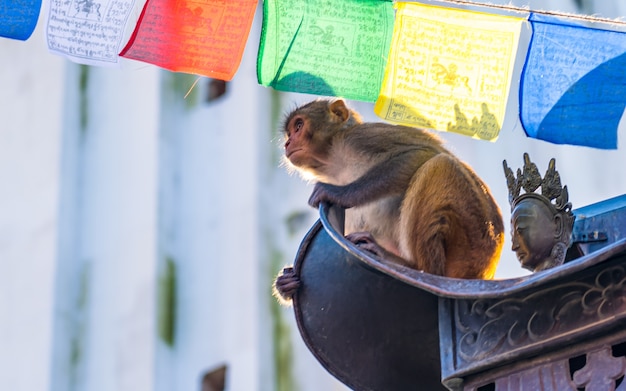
<point x="441" y="220"/>
<point x="286" y="285"/>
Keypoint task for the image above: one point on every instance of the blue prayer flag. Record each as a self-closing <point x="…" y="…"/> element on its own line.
<point x="18" y="18"/>
<point x="573" y="87"/>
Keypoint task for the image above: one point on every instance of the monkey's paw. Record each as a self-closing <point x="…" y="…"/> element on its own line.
<point x="286" y="285"/>
<point x="365" y="241"/>
<point x="323" y="192"/>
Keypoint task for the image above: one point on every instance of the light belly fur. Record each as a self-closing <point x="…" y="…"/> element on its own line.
<point x="380" y="218"/>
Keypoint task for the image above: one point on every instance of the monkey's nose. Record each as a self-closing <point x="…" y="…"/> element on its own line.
<point x="287" y="143"/>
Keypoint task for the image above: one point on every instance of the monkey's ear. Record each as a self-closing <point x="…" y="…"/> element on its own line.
<point x="339" y="111"/>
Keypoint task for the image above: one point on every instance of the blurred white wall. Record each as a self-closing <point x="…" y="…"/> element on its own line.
<point x="115" y="190"/>
<point x="31" y="107"/>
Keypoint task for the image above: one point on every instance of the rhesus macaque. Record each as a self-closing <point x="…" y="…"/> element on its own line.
<point x="408" y="199"/>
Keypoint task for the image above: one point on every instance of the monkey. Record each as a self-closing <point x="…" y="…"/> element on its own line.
<point x="408" y="199"/>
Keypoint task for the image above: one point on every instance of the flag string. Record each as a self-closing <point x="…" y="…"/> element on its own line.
<point x="586" y="18"/>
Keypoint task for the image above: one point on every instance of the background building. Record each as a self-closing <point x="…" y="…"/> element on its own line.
<point x="140" y="231"/>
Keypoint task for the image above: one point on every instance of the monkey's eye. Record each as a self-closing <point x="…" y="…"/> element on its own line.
<point x="298" y="124"/>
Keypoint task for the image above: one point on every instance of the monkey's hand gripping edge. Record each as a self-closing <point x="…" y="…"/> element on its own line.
<point x="324" y="192"/>
<point x="365" y="241"/>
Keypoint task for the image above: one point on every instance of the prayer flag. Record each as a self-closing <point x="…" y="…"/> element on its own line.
<point x="333" y="48"/>
<point x="573" y="87"/>
<point x="90" y="31"/>
<point x="18" y="18"/>
<point x="203" y="37"/>
<point x="449" y="69"/>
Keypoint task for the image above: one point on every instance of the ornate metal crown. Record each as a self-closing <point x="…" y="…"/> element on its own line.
<point x="530" y="180"/>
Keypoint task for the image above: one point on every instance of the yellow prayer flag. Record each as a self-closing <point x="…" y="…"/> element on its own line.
<point x="449" y="69"/>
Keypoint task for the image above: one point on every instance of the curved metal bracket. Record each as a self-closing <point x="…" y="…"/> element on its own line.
<point x="461" y="288"/>
<point x="376" y="325"/>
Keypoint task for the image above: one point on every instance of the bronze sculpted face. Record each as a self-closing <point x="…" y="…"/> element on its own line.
<point x="536" y="231"/>
<point x="540" y="230"/>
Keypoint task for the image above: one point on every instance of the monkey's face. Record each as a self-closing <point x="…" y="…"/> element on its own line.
<point x="295" y="135"/>
<point x="300" y="144"/>
<point x="311" y="131"/>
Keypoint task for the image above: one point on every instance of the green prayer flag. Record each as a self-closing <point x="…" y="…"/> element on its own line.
<point x="322" y="47"/>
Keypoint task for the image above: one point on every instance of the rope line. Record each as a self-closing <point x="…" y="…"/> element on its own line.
<point x="586" y="18"/>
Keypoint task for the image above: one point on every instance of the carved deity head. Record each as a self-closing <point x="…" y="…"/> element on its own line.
<point x="541" y="230"/>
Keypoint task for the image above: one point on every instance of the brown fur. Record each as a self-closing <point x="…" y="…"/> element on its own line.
<point x="422" y="206"/>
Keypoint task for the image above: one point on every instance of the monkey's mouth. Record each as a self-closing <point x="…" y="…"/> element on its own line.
<point x="290" y="153"/>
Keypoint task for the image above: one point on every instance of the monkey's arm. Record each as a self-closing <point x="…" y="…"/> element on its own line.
<point x="391" y="176"/>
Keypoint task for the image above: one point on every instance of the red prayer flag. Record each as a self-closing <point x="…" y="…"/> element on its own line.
<point x="203" y="37"/>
